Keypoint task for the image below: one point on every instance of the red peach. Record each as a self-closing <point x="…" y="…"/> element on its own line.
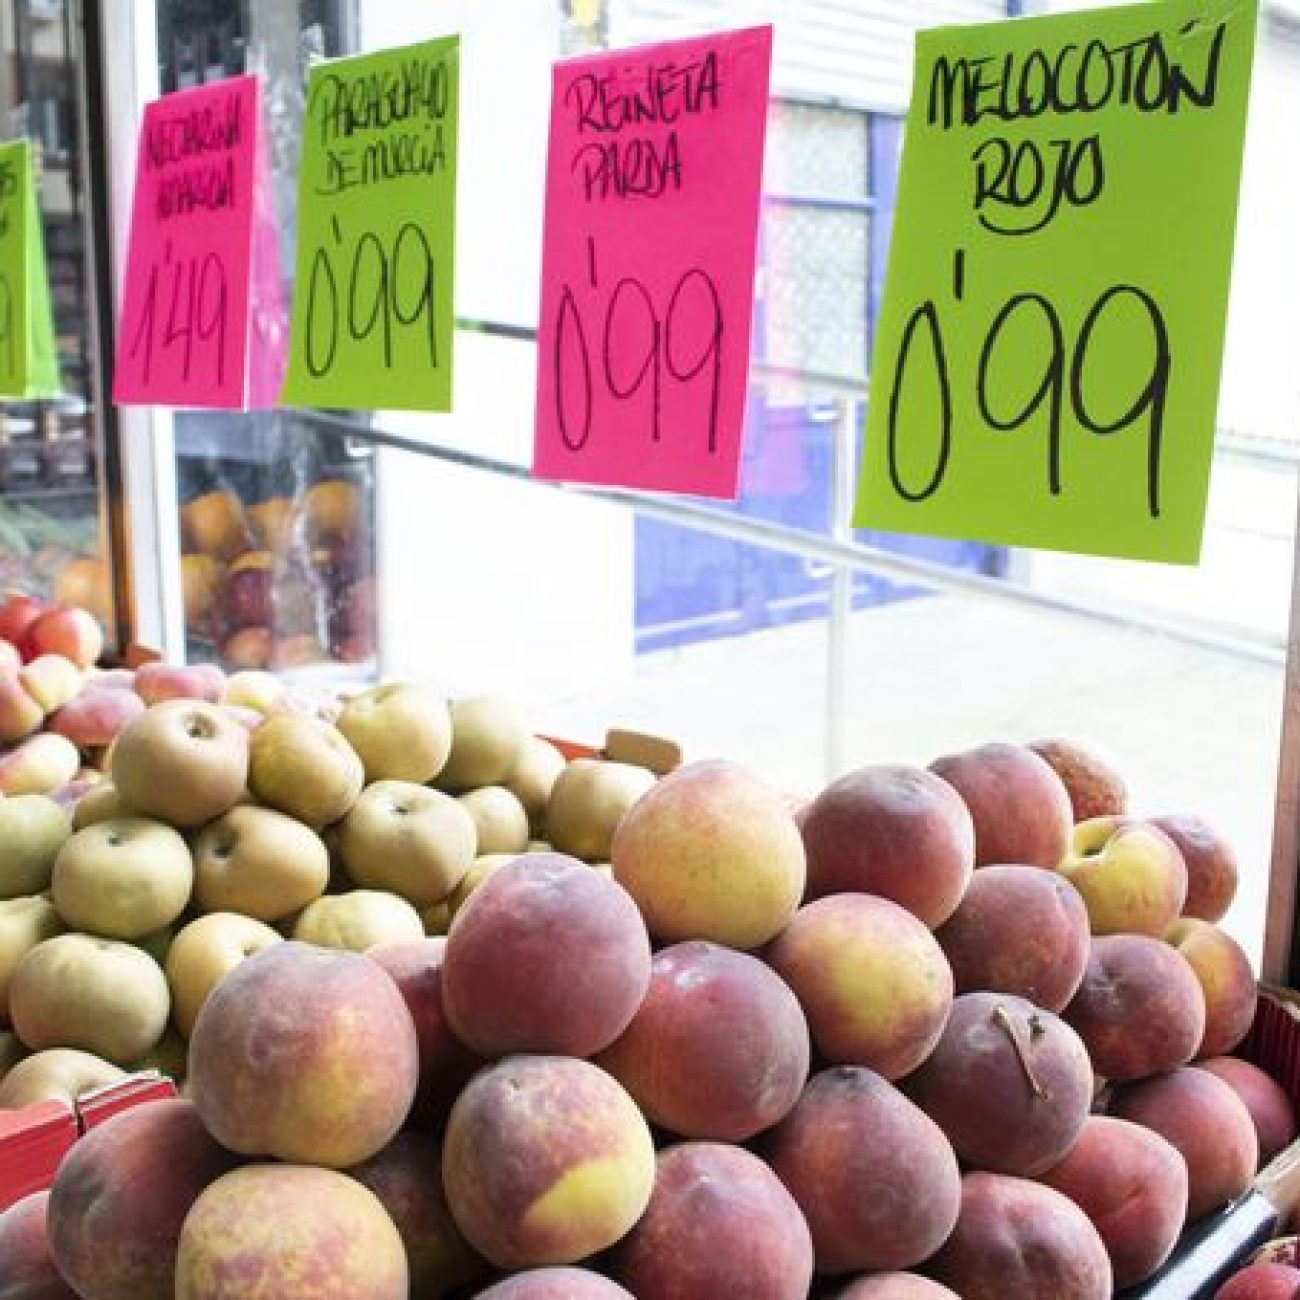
<point x="17" y="614"/>
<point x="555" y="1284"/>
<point x="95" y="717"/>
<point x="29" y="1272"/>
<point x="897" y="1286"/>
<point x="1269" y="1105"/>
<point x="1211" y="865"/>
<point x="155" y="683"/>
<point x="1095" y="787"/>
<point x="68" y="631"/>
<point x="1220" y="964"/>
<point x="1262" y="1282"/>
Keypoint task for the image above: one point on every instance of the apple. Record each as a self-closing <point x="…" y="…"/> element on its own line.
<point x="400" y="730"/>
<point x="24" y="922"/>
<point x="488" y="735"/>
<point x="100" y="803"/>
<point x="214" y="524"/>
<point x="358" y="921"/>
<point x="204" y="953"/>
<point x="67" y="631"/>
<point x="253" y="689"/>
<point x="273" y="523"/>
<point x="588" y="801"/>
<point x="499" y="817"/>
<point x="201" y="577"/>
<point x="33" y="830"/>
<point x="534" y="777"/>
<point x="304" y="767"/>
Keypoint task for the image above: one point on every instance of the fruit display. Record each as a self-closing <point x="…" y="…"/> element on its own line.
<point x="456" y="1016"/>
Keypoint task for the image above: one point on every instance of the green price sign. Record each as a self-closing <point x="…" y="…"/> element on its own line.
<point x="28" y="365"/>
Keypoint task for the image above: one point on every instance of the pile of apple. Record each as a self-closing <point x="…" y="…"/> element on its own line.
<point x="960" y="1031"/>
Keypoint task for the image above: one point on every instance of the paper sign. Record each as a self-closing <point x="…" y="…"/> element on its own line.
<point x="1048" y="355"/>
<point x="202" y="263"/>
<point x="373" y="311"/>
<point x="652" y="199"/>
<point x="28" y="364"/>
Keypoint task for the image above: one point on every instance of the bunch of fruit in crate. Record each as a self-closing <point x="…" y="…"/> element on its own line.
<point x="951" y="1031"/>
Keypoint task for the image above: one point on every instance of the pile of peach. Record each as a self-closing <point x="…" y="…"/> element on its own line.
<point x="960" y="1031"/>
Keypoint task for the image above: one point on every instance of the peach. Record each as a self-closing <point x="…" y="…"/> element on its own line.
<point x="719" y="1047"/>
<point x="155" y="683"/>
<point x="304" y="1054"/>
<point x="1009" y="1083"/>
<point x="1139" y="1010"/>
<point x="555" y="1284"/>
<point x="406" y="1177"/>
<point x="899" y="832"/>
<point x="1269" y="1105"/>
<point x="1262" y="1281"/>
<point x="52" y="681"/>
<point x="897" y="1286"/>
<point x="546" y="956"/>
<point x="121" y="1195"/>
<point x="97" y="715"/>
<point x="1017" y="1238"/>
<point x="29" y="1272"/>
<point x="17" y="614"/>
<point x="1223" y="969"/>
<point x="1211" y="864"/>
<point x="1019" y="805"/>
<point x="67" y="631"/>
<point x="1018" y="930"/>
<point x="60" y="1074"/>
<point x="546" y="1161"/>
<point x="214" y="524"/>
<point x="711" y="852"/>
<point x="874" y="1176"/>
<point x="719" y="1222"/>
<point x="10" y="660"/>
<point x="42" y="764"/>
<point x="1095" y="786"/>
<point x="290" y="1230"/>
<point x="446" y="1064"/>
<point x="20" y="715"/>
<point x="871" y="979"/>
<point x="248" y="649"/>
<point x="1132" y="1185"/>
<point x="1208" y="1123"/>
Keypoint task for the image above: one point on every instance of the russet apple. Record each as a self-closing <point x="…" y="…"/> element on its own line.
<point x="102" y="802"/>
<point x="41" y="764"/>
<point x="32" y="831"/>
<point x="305" y="768"/>
<point x="253" y="689"/>
<point x="204" y="953"/>
<point x="67" y="631"/>
<point x="1130" y="873"/>
<point x="24" y="922"/>
<point x="52" y="681"/>
<point x="358" y="921"/>
<point x="534" y="777"/>
<point x="400" y="730"/>
<point x="488" y="736"/>
<point x="499" y="817"/>
<point x="588" y="801"/>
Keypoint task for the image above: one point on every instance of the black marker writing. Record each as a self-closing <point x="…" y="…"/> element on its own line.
<point x="667" y="91"/>
<point x="1031" y="185"/>
<point x="195" y="189"/>
<point x="186" y="306"/>
<point x="345" y="105"/>
<point x="172" y="138"/>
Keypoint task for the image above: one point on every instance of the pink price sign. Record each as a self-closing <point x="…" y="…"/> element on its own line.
<point x="202" y="309"/>
<point x="652" y="198"/>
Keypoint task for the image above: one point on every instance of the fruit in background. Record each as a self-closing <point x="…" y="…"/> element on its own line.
<point x="406" y="1177"/>
<point x="548" y="957"/>
<point x="1009" y="1083"/>
<point x="117" y="679"/>
<point x="897" y="1286"/>
<point x="1211" y="865"/>
<point x="201" y="579"/>
<point x="500" y="821"/>
<point x="204" y="953"/>
<point x="400" y="730"/>
<point x="248" y="597"/>
<point x="898" y="832"/>
<point x="272" y="521"/>
<point x="408" y="839"/>
<point x="10" y="660"/>
<point x="249" y="648"/>
<point x="1019" y="805"/>
<point x="546" y="1161"/>
<point x="534" y="777"/>
<point x="1262" y="1281"/>
<point x="82" y="580"/>
<point x="357" y="921"/>
<point x="29" y="1269"/>
<point x="100" y="803"/>
<point x="1018" y="930"/>
<point x="155" y="683"/>
<point x="304" y="767"/>
<point x="52" y="681"/>
<point x="488" y="735"/>
<point x="253" y="689"/>
<point x="184" y="762"/>
<point x="719" y="1222"/>
<point x="871" y="979"/>
<point x="1017" y="1238"/>
<point x="42" y="764"/>
<point x="312" y="1234"/>
<point x="121" y="1195"/>
<point x="20" y="715"/>
<point x="24" y="922"/>
<point x="214" y="525"/>
<point x="1130" y="874"/>
<point x="1280" y="1250"/>
<point x="97" y="995"/>
<point x="356" y="611"/>
<point x="17" y="614"/>
<point x="873" y="1175"/>
<point x="260" y="863"/>
<point x="96" y="717"/>
<point x="66" y="631"/>
<point x="1208" y="1123"/>
<point x="1226" y="978"/>
<point x="1095" y="786"/>
<point x="446" y="1064"/>
<point x="298" y="652"/>
<point x="304" y="1054"/>
<point x="588" y="802"/>
<point x="718" y="1048"/>
<point x="1139" y="1010"/>
<point x="555" y="1284"/>
<point x="709" y="852"/>
<point x="32" y="830"/>
<point x="123" y="879"/>
<point x="1132" y="1185"/>
<point x="332" y="511"/>
<point x="1267" y="1101"/>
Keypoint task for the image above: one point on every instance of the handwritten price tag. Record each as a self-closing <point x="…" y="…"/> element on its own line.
<point x="28" y="365"/>
<point x="1049" y="350"/>
<point x="652" y="201"/>
<point x="373" y="312"/>
<point x="202" y="285"/>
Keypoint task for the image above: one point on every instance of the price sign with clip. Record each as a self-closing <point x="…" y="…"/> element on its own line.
<point x="28" y="362"/>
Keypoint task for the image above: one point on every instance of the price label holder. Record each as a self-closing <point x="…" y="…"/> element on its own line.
<point x="202" y="309"/>
<point x="373" y="311"/>
<point x="654" y="173"/>
<point x="1047" y="363"/>
<point x="28" y="364"/>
